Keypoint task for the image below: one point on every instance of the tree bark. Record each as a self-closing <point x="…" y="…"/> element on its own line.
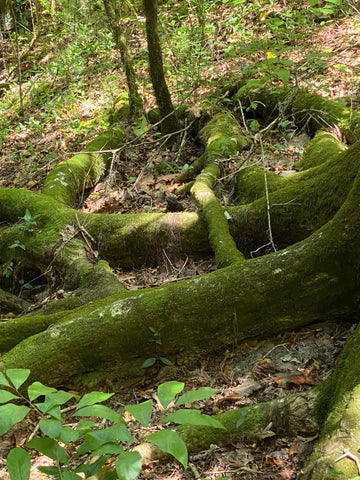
<point x="337" y="407"/>
<point x="260" y="296"/>
<point x="114" y="16"/>
<point x="169" y="123"/>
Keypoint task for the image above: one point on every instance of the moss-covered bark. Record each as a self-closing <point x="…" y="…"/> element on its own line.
<point x="305" y="109"/>
<point x="169" y="123"/>
<point x="222" y="137"/>
<point x="251" y="182"/>
<point x="262" y="296"/>
<point x="82" y="171"/>
<point x="299" y="204"/>
<point x="293" y="415"/>
<point x="113" y="13"/>
<point x="222" y="243"/>
<point x="338" y="410"/>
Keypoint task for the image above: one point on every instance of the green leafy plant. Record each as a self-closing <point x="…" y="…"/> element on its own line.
<point x="28" y="222"/>
<point x="326" y="9"/>
<point x="8" y="270"/>
<point x="102" y="443"/>
<point x="149" y="362"/>
<point x="17" y="244"/>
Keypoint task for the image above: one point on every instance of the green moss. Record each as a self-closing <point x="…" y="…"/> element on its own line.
<point x="251" y="183"/>
<point x="323" y="147"/>
<point x="223" y="245"/>
<point x="82" y="171"/>
<point x="154" y="115"/>
<point x="120" y="109"/>
<point x="222" y="136"/>
<point x="305" y="202"/>
<point x="307" y="110"/>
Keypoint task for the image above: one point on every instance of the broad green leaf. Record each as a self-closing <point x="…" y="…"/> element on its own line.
<point x="128" y="465"/>
<point x="93" y="397"/>
<point x="50" y="448"/>
<point x="54" y="472"/>
<point x="149" y="362"/>
<point x="3" y="380"/>
<point x="93" y="440"/>
<point x="50" y="471"/>
<point x="287" y="63"/>
<point x="54" y="411"/>
<point x="17" y="376"/>
<point x="283" y="74"/>
<point x="254" y="126"/>
<point x="166" y="361"/>
<point x="84" y="426"/>
<point x="193" y="417"/>
<point x="196" y="395"/>
<point x="69" y="475"/>
<point x="141" y="412"/>
<point x="168" y="390"/>
<point x="6" y="396"/>
<point x="108" y="448"/>
<point x="141" y="127"/>
<point x="109" y="475"/>
<point x="37" y="388"/>
<point x="18" y="464"/>
<point x="68" y="435"/>
<point x="250" y="84"/>
<point x="50" y="427"/>
<point x="170" y="442"/>
<point x="58" y="398"/>
<point x="100" y="411"/>
<point x="11" y="414"/>
<point x="91" y="469"/>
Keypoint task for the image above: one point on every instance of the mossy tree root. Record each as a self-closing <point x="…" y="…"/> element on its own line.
<point x="307" y="110"/>
<point x="222" y="137"/>
<point x="338" y="412"/>
<point x="250" y="180"/>
<point x="261" y="296"/>
<point x="82" y="171"/>
<point x="222" y="243"/>
<point x="293" y="415"/>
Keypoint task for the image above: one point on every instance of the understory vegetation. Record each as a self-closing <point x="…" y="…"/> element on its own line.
<point x="179" y="191"/>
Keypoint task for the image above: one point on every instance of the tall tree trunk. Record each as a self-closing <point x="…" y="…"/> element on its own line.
<point x="114" y="16"/>
<point x="170" y="123"/>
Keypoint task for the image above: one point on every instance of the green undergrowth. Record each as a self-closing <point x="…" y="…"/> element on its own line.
<point x="71" y="70"/>
<point x="93" y="442"/>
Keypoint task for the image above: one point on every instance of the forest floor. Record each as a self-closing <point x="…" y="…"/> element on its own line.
<point x="249" y="373"/>
<point x="141" y="180"/>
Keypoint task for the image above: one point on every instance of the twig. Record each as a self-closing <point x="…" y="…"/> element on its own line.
<point x="267" y="195"/>
<point x="351" y="456"/>
<point x="195" y="471"/>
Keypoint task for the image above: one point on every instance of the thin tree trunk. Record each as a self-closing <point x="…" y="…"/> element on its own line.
<point x="170" y="123"/>
<point x="114" y="15"/>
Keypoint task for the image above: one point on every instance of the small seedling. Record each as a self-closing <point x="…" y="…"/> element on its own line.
<point x="149" y="362"/>
<point x="17" y="244"/>
<point x="28" y="222"/>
